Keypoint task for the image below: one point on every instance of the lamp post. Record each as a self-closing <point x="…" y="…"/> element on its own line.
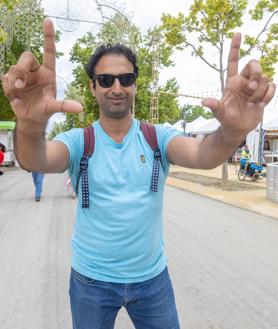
<point x="260" y="146"/>
<point x="184" y="122"/>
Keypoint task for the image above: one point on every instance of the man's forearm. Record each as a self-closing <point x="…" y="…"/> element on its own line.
<point x="219" y="146"/>
<point x="30" y="145"/>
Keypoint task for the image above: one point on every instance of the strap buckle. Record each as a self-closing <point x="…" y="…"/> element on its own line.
<point x="157" y="154"/>
<point x="83" y="164"/>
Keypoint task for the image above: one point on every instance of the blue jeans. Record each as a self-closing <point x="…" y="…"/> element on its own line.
<point x="38" y="179"/>
<point x="95" y="304"/>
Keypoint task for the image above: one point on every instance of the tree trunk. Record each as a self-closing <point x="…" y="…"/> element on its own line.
<point x="224" y="178"/>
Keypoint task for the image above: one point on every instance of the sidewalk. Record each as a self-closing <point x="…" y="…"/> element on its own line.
<point x="254" y="199"/>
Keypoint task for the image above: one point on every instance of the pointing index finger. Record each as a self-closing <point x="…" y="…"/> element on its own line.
<point x="49" y="53"/>
<point x="233" y="59"/>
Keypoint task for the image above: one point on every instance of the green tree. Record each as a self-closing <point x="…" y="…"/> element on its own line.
<point x="192" y="112"/>
<point x="31" y="41"/>
<point x="167" y="101"/>
<point x="58" y="127"/>
<point x="72" y="120"/>
<point x="210" y="23"/>
<point x="80" y="54"/>
<point x="266" y="41"/>
<point x="120" y="30"/>
<point x="169" y="109"/>
<point x="27" y="35"/>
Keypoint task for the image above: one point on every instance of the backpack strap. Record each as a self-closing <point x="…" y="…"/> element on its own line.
<point x="89" y="141"/>
<point x="149" y="133"/>
<point x="89" y="146"/>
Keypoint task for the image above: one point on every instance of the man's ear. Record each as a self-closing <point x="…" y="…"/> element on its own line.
<point x="91" y="84"/>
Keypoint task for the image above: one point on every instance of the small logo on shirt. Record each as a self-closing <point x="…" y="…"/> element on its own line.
<point x="142" y="157"/>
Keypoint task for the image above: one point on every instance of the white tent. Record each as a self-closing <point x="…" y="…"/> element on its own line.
<point x="167" y="124"/>
<point x="189" y="126"/>
<point x="178" y="125"/>
<point x="207" y="127"/>
<point x="252" y="140"/>
<point x="271" y="124"/>
<point x="195" y="124"/>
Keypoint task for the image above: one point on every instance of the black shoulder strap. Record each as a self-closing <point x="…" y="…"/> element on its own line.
<point x="89" y="146"/>
<point x="149" y="133"/>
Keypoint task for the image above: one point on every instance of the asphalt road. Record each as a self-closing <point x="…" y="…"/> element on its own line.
<point x="223" y="260"/>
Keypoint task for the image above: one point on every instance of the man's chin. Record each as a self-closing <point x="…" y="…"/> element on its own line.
<point x="117" y="112"/>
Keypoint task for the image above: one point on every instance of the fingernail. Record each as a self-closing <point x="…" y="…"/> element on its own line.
<point x="19" y="83"/>
<point x="253" y="85"/>
<point x="262" y="105"/>
<point x="249" y="104"/>
<point x="16" y="101"/>
<point x="79" y="107"/>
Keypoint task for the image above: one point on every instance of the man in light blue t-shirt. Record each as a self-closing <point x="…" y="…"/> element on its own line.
<point x="118" y="252"/>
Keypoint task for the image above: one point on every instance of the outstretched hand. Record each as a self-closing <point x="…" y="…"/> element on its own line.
<point x="31" y="87"/>
<point x="245" y="96"/>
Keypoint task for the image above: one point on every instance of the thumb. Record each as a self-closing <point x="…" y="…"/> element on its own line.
<point x="212" y="103"/>
<point x="70" y="106"/>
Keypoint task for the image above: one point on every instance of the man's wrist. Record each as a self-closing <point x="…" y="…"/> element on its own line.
<point x="231" y="138"/>
<point x="30" y="129"/>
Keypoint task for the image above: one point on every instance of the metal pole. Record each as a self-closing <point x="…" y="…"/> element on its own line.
<point x="260" y="143"/>
<point x="184" y="122"/>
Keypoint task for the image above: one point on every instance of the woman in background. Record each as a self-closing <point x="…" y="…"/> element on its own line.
<point x="2" y="155"/>
<point x="38" y="179"/>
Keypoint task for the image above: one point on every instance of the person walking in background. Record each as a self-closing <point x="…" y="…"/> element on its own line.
<point x="69" y="188"/>
<point x="2" y="155"/>
<point x="38" y="180"/>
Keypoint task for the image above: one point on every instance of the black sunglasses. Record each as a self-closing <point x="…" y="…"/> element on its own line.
<point x="107" y="80"/>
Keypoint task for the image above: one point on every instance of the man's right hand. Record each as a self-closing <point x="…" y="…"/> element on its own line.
<point x="31" y="87"/>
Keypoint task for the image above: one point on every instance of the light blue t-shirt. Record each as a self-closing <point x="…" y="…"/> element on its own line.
<point x="119" y="238"/>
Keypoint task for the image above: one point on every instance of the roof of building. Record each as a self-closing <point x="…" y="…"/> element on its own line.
<point x="7" y="125"/>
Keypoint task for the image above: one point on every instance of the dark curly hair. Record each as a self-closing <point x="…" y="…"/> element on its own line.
<point x="107" y="49"/>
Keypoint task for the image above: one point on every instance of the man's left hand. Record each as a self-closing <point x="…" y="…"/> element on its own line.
<point x="245" y="96"/>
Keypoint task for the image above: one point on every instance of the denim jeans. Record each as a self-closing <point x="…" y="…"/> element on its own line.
<point x="95" y="304"/>
<point x="38" y="179"/>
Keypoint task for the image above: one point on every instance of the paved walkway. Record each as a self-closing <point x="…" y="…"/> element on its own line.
<point x="253" y="200"/>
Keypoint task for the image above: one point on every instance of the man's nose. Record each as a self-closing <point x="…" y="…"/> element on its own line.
<point x="117" y="88"/>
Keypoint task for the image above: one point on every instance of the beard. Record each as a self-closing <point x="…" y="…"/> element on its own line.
<point x="116" y="112"/>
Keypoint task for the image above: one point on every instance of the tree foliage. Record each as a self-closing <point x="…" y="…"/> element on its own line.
<point x="27" y="35"/>
<point x="58" y="127"/>
<point x="192" y="112"/>
<point x="266" y="42"/>
<point x="211" y="23"/>
<point x="120" y="30"/>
